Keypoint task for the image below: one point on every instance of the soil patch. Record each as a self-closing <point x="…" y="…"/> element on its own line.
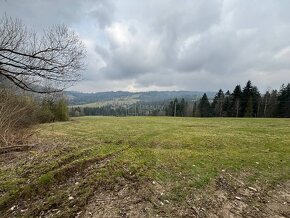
<point x="231" y="197"/>
<point x="225" y="197"/>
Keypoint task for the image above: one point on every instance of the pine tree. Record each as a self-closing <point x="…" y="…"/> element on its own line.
<point x="250" y="100"/>
<point x="247" y="92"/>
<point x="236" y="101"/>
<point x="227" y="105"/>
<point x="249" y="109"/>
<point x="170" y="109"/>
<point x="182" y="107"/>
<point x="204" y="106"/>
<point x="273" y="104"/>
<point x="218" y="103"/>
<point x="256" y="98"/>
<point x="284" y="101"/>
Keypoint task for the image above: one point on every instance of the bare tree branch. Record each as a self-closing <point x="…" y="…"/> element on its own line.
<point x="31" y="61"/>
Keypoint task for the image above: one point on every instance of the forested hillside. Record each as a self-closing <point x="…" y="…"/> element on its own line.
<point x="127" y="103"/>
<point x="241" y="102"/>
<point x="80" y="98"/>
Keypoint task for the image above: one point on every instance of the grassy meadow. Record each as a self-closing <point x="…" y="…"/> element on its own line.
<point x="78" y="160"/>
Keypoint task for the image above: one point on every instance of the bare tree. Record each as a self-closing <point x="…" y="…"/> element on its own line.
<point x="44" y="63"/>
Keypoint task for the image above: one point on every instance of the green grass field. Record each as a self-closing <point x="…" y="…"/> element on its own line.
<point x="78" y="160"/>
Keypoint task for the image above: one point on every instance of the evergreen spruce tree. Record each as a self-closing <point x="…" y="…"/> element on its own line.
<point x="250" y="100"/>
<point x="204" y="106"/>
<point x="182" y="107"/>
<point x="249" y="109"/>
<point x="247" y="92"/>
<point x="170" y="109"/>
<point x="218" y="104"/>
<point x="284" y="101"/>
<point x="256" y="98"/>
<point x="227" y="104"/>
<point x="273" y="104"/>
<point x="236" y="101"/>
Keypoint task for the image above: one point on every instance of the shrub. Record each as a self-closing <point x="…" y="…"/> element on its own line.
<point x="53" y="109"/>
<point x="17" y="115"/>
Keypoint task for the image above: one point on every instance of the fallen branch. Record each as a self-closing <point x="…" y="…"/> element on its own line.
<point x="17" y="148"/>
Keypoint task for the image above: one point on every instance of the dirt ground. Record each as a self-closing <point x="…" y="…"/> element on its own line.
<point x="225" y="197"/>
<point x="232" y="198"/>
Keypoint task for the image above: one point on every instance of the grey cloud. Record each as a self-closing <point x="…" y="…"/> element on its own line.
<point x="103" y="12"/>
<point x="171" y="44"/>
<point x="41" y="14"/>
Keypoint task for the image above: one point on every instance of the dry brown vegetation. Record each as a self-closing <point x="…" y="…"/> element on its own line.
<point x="17" y="115"/>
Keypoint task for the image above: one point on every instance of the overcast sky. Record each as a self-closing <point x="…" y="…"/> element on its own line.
<point x="140" y="45"/>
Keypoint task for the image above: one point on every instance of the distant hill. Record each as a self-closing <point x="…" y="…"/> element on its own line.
<point x="128" y="98"/>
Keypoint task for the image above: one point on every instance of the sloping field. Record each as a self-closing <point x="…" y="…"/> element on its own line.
<point x="149" y="167"/>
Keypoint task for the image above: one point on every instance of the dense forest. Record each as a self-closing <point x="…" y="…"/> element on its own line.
<point x="246" y="102"/>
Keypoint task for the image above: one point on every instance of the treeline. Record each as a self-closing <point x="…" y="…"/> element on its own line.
<point x="138" y="109"/>
<point x="179" y="108"/>
<point x="246" y="102"/>
<point x="241" y="102"/>
<point x="97" y="111"/>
